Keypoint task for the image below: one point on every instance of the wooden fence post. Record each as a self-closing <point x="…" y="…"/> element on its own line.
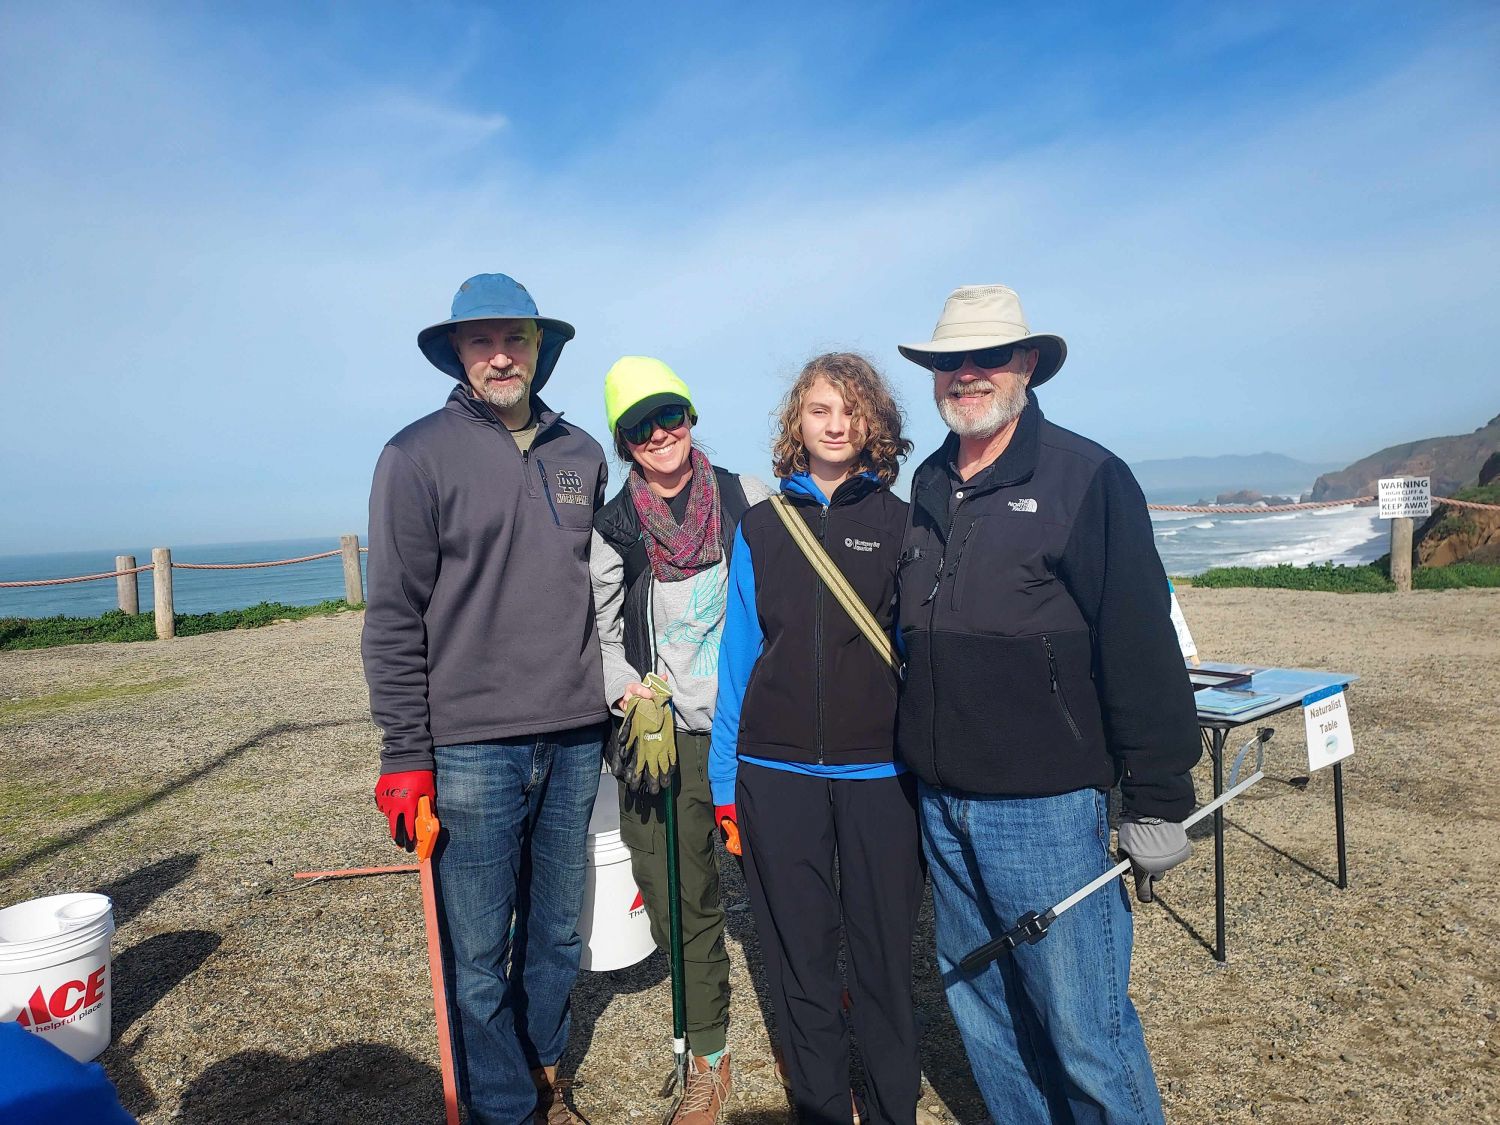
<point x="1401" y="553"/>
<point x="127" y="586"/>
<point x="161" y="561"/>
<point x="354" y="579"/>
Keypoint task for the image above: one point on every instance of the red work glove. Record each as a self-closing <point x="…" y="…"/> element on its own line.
<point x="396" y="795"/>
<point x="729" y="824"/>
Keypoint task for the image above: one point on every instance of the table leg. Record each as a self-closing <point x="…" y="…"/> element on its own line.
<point x="1216" y="752"/>
<point x="1338" y="822"/>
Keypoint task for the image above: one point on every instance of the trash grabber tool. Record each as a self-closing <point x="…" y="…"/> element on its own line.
<point x="1031" y="927"/>
<point x="427" y="834"/>
<point x="674" y="934"/>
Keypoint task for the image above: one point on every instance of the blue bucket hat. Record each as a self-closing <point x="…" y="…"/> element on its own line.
<point x="493" y="296"/>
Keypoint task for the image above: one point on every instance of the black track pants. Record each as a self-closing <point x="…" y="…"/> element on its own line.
<point x="796" y="830"/>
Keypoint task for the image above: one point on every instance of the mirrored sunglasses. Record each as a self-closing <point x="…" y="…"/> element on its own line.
<point x="987" y="358"/>
<point x="668" y="418"/>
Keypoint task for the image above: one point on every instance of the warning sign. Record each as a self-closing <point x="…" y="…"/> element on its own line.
<point x="1409" y="497"/>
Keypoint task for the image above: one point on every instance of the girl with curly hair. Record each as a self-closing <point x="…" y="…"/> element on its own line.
<point x="801" y="766"/>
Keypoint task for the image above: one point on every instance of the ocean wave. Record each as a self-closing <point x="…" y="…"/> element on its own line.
<point x="1205" y="525"/>
<point x="1350" y="540"/>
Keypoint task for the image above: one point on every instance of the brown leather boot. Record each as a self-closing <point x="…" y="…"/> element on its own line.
<point x="551" y="1108"/>
<point x="706" y="1095"/>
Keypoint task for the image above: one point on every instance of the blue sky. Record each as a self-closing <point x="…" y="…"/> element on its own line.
<point x="1259" y="227"/>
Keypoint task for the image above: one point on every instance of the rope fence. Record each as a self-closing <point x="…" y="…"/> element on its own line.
<point x="1260" y="509"/>
<point x="350" y="549"/>
<point x="253" y="565"/>
<point x="161" y="567"/>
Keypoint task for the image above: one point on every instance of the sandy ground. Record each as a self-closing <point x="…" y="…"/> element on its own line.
<point x="189" y="779"/>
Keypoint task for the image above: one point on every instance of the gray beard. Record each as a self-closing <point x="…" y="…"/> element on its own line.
<point x="503" y="398"/>
<point x="1000" y="408"/>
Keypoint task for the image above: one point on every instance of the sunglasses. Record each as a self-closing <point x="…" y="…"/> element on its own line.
<point x="668" y="418"/>
<point x="987" y="358"/>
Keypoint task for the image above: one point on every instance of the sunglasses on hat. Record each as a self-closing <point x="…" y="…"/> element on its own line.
<point x="668" y="418"/>
<point x="987" y="358"/>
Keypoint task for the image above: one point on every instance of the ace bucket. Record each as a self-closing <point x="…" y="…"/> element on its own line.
<point x="54" y="970"/>
<point x="615" y="929"/>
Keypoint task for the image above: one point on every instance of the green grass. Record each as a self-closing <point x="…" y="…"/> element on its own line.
<point x="1455" y="576"/>
<point x="1333" y="578"/>
<point x="1319" y="576"/>
<point x="1476" y="494"/>
<point x="47" y="632"/>
<point x="98" y="693"/>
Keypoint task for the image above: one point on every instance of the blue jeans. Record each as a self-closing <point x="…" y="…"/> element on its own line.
<point x="515" y="819"/>
<point x="1049" y="1028"/>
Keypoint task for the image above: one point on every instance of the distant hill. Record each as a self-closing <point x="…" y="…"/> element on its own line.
<point x="1451" y="462"/>
<point x="1171" y="479"/>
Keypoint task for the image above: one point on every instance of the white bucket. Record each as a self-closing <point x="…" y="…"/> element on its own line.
<point x="54" y="970"/>
<point x="615" y="930"/>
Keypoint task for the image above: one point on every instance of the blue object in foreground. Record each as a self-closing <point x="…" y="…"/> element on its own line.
<point x="41" y="1085"/>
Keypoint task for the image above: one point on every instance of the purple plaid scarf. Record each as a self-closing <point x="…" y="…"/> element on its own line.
<point x="680" y="552"/>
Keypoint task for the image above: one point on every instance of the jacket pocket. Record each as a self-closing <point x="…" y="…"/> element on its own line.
<point x="1057" y="688"/>
<point x="568" y="487"/>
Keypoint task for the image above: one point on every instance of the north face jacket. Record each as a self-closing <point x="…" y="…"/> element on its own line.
<point x="479" y="622"/>
<point x="1035" y="613"/>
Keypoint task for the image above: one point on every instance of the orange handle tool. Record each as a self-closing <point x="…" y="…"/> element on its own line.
<point x="427" y="835"/>
<point x="731" y="832"/>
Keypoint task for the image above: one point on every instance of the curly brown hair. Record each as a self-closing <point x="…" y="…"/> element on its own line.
<point x="878" y="418"/>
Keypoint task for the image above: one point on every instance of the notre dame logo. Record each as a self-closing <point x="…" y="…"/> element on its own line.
<point x="571" y="486"/>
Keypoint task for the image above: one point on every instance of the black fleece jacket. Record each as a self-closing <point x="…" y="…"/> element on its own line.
<point x="1041" y="656"/>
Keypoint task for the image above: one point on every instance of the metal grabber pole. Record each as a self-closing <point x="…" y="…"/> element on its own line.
<point x="674" y="930"/>
<point x="1031" y="927"/>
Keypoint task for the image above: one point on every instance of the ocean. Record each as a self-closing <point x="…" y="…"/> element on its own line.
<point x="1188" y="544"/>
<point x="193" y="591"/>
<point x="1191" y="543"/>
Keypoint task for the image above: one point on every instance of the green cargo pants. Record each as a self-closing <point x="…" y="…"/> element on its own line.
<point x="705" y="962"/>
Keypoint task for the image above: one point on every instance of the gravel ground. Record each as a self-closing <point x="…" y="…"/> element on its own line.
<point x="189" y="779"/>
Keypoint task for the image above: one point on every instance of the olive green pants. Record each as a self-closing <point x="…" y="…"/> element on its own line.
<point x="705" y="962"/>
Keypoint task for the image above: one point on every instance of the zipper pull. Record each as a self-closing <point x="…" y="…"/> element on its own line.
<point x="1051" y="663"/>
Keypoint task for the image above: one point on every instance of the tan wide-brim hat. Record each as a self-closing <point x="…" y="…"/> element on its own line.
<point x="986" y="316"/>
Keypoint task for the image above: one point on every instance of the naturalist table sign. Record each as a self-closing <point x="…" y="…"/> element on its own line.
<point x="1325" y="714"/>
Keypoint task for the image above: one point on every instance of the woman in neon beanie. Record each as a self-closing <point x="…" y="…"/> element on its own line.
<point x="660" y="566"/>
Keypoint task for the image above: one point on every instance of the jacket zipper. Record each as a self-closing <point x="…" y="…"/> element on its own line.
<point x="1057" y="688"/>
<point x="547" y="492"/>
<point x="818" y="634"/>
<point x="931" y="625"/>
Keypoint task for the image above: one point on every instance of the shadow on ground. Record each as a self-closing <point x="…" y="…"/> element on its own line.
<point x="138" y="890"/>
<point x="53" y="845"/>
<point x="351" y="1082"/>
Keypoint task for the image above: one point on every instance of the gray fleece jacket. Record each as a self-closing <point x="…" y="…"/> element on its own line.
<point x="687" y="619"/>
<point x="479" y="622"/>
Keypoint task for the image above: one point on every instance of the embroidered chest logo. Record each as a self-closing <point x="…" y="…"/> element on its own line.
<point x="570" y="486"/>
<point x="1026" y="505"/>
<point x="865" y="546"/>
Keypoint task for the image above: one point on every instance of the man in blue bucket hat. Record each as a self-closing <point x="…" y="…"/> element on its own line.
<point x="483" y="663"/>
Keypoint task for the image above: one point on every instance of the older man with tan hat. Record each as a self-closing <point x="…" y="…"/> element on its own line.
<point x="1042" y="669"/>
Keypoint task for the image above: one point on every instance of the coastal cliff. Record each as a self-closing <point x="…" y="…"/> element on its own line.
<point x="1451" y="462"/>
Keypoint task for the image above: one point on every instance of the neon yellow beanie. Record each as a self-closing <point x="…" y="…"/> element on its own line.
<point x="637" y="385"/>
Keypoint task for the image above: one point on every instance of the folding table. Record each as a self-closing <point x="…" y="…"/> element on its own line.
<point x="1290" y="686"/>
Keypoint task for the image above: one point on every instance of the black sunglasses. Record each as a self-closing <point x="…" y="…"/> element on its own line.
<point x="668" y="418"/>
<point x="988" y="358"/>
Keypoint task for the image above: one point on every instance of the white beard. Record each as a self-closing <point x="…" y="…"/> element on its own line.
<point x="985" y="416"/>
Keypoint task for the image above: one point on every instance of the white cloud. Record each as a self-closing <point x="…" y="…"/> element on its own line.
<point x="212" y="329"/>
